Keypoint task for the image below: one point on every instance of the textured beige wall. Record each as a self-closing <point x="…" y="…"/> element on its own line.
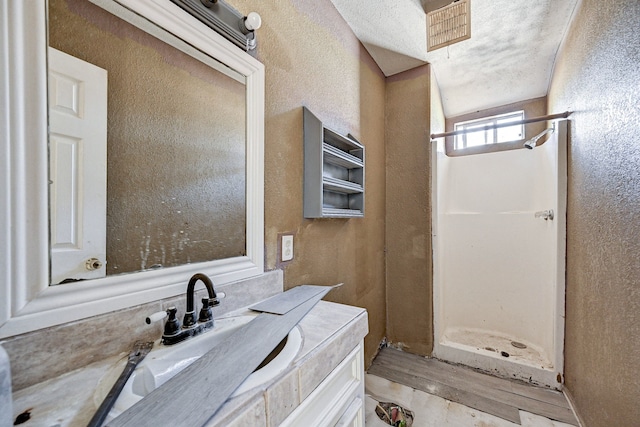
<point x="597" y="77"/>
<point x="437" y="122"/>
<point x="408" y="211"/>
<point x="313" y="59"/>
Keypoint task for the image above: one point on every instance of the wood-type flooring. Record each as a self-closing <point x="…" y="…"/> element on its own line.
<point x="497" y="396"/>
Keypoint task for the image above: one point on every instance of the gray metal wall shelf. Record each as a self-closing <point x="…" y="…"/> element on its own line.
<point x="333" y="172"/>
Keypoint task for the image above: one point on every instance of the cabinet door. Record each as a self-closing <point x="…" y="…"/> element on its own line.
<point x="332" y="402"/>
<point x="353" y="416"/>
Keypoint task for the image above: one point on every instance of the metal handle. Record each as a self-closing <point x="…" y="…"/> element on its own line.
<point x="156" y="317"/>
<point x="108" y="402"/>
<point x="93" y="264"/>
<point x="140" y="350"/>
<point x="546" y="215"/>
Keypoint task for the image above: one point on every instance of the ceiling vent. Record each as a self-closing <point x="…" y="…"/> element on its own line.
<point x="448" y="25"/>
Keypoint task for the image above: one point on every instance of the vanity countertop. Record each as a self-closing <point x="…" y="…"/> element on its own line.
<point x="330" y="331"/>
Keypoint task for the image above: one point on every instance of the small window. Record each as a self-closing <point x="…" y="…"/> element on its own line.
<point x="489" y="136"/>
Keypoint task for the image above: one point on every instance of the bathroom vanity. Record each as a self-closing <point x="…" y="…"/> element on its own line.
<point x="65" y="339"/>
<point x="323" y="386"/>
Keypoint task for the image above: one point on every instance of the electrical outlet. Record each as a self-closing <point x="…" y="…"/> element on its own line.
<point x="286" y="247"/>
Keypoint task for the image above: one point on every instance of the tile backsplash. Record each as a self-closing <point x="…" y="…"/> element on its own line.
<point x="47" y="353"/>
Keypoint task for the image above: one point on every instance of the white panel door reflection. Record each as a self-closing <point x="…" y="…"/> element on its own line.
<point x="77" y="167"/>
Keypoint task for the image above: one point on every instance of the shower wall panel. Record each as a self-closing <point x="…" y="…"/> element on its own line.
<point x="497" y="275"/>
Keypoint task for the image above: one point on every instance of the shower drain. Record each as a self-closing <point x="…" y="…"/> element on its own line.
<point x="517" y="344"/>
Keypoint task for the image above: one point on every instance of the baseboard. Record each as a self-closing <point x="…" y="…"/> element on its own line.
<point x="572" y="404"/>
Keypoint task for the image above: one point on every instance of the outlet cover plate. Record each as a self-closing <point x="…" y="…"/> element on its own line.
<point x="285" y="248"/>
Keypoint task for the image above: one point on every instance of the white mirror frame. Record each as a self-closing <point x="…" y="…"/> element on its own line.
<point x="27" y="302"/>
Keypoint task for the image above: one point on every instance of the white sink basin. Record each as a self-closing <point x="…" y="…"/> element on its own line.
<point x="163" y="362"/>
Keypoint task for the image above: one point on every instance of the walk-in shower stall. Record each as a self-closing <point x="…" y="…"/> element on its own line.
<point x="499" y="259"/>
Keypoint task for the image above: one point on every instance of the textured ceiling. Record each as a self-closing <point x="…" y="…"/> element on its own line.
<point x="508" y="58"/>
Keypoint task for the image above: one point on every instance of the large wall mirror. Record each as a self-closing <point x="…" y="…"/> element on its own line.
<point x="170" y="129"/>
<point x="155" y="133"/>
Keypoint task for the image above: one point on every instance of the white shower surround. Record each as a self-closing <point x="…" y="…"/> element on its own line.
<point x="489" y="284"/>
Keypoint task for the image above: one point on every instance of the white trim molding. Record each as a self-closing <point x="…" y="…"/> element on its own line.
<point x="27" y="302"/>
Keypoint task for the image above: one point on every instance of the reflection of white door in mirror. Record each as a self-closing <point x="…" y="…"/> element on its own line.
<point x="78" y="167"/>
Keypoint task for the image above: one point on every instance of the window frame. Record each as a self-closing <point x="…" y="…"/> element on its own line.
<point x="518" y="116"/>
<point x="451" y="151"/>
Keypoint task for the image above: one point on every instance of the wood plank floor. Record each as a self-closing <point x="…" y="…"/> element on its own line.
<point x="500" y="397"/>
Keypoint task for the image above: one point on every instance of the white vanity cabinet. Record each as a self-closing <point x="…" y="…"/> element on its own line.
<point x="323" y="387"/>
<point x="339" y="398"/>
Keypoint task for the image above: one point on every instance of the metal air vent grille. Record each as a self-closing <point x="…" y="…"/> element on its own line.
<point x="448" y="25"/>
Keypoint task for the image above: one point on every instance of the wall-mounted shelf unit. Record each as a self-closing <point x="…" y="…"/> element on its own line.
<point x="333" y="172"/>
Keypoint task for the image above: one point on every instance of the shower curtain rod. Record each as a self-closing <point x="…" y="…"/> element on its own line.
<point x="496" y="126"/>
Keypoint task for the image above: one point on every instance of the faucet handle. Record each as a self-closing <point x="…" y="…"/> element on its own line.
<point x="156" y="317"/>
<point x="210" y="302"/>
<point x="205" y="312"/>
<point x="172" y="326"/>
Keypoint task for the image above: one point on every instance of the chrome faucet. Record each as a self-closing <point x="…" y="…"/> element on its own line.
<point x="173" y="331"/>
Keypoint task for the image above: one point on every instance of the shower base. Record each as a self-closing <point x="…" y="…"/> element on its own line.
<point x="495" y="354"/>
